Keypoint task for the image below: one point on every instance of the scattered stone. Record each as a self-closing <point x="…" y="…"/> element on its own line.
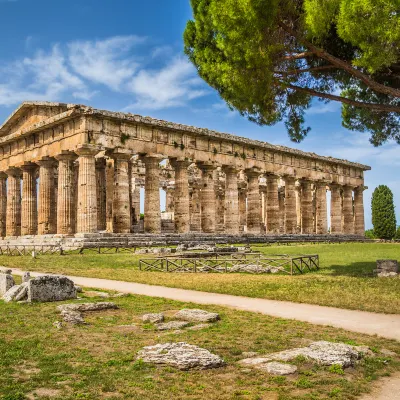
<point x="83" y="307"/>
<point x="26" y="277"/>
<point x="195" y="315"/>
<point x="73" y="317"/>
<point x="12" y="293"/>
<point x="51" y="288"/>
<point x="78" y="289"/>
<point x="168" y="326"/>
<point x="117" y="295"/>
<point x="6" y="283"/>
<point x="387" y="275"/>
<point x="387" y="266"/>
<point x="153" y="318"/>
<point x="95" y="293"/>
<point x="58" y="324"/>
<point x="324" y="353"/>
<point x="199" y="327"/>
<point x="180" y="355"/>
<point x="249" y="354"/>
<point x="277" y="368"/>
<point x="22" y="293"/>
<point x="388" y="353"/>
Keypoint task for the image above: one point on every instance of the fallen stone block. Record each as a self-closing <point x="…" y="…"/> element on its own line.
<point x="277" y="368"/>
<point x="11" y="294"/>
<point x="51" y="288"/>
<point x="6" y="283"/>
<point x="84" y="307"/>
<point x="180" y="355"/>
<point x="198" y="327"/>
<point x="195" y="315"/>
<point x="73" y="317"/>
<point x="387" y="275"/>
<point x="154" y="318"/>
<point x="167" y="326"/>
<point x="387" y="266"/>
<point x="22" y="293"/>
<point x="95" y="293"/>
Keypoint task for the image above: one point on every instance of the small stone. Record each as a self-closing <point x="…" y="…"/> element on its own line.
<point x="95" y="293"/>
<point x="58" y="324"/>
<point x="180" y="355"/>
<point x="195" y="315"/>
<point x="83" y="307"/>
<point x="26" y="277"/>
<point x="153" y="318"/>
<point x="249" y="354"/>
<point x="276" y="368"/>
<point x="387" y="275"/>
<point x="73" y="317"/>
<point x="78" y="289"/>
<point x="117" y="295"/>
<point x="198" y="327"/>
<point x="167" y="326"/>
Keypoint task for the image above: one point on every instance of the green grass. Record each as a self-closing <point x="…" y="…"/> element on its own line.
<point x="345" y="279"/>
<point x="99" y="360"/>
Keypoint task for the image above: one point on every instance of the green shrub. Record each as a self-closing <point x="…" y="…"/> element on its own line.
<point x="397" y="235"/>
<point x="369" y="234"/>
<point x="383" y="215"/>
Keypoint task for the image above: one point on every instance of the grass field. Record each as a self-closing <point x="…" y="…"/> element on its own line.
<point x="345" y="279"/>
<point x="98" y="361"/>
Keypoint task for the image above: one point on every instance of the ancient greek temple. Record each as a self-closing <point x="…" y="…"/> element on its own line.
<point x="70" y="169"/>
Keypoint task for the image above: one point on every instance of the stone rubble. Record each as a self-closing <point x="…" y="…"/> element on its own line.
<point x="72" y="313"/>
<point x="198" y="327"/>
<point x="180" y="355"/>
<point x="387" y="268"/>
<point x="171" y="325"/>
<point x="196" y="315"/>
<point x="323" y="353"/>
<point x="277" y="368"/>
<point x="153" y="318"/>
<point x="12" y="293"/>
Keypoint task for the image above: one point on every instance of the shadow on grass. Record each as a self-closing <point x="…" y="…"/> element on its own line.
<point x="358" y="269"/>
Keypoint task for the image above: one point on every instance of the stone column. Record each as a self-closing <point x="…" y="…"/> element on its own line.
<point x="66" y="203"/>
<point x="321" y="209"/>
<point x="290" y="205"/>
<point x="359" y="224"/>
<point x="181" y="207"/>
<point x="121" y="196"/>
<point x="195" y="209"/>
<point x="281" y="198"/>
<point x="87" y="191"/>
<point x="207" y="198"/>
<point x="3" y="203"/>
<point x="336" y="209"/>
<point x="348" y="216"/>
<point x="29" y="216"/>
<point x="169" y="199"/>
<point x="47" y="198"/>
<point x="272" y="205"/>
<point x="135" y="198"/>
<point x="152" y="211"/>
<point x="253" y="202"/>
<point x="101" y="194"/>
<point x="13" y="218"/>
<point x="307" y="222"/>
<point x="242" y="209"/>
<point x="231" y="201"/>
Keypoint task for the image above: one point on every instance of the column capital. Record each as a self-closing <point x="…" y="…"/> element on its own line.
<point x="13" y="171"/>
<point x="3" y="175"/>
<point x="180" y="161"/>
<point x="252" y="172"/>
<point x="66" y="156"/>
<point x="29" y="166"/>
<point x="88" y="150"/>
<point x="360" y="188"/>
<point x="120" y="154"/>
<point x="230" y="169"/>
<point x="46" y="162"/>
<point x="206" y="165"/>
<point x="100" y="163"/>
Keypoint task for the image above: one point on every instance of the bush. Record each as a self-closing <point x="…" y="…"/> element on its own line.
<point x="369" y="234"/>
<point x="397" y="235"/>
<point x="383" y="216"/>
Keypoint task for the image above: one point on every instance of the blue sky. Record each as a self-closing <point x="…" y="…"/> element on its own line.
<point x="126" y="55"/>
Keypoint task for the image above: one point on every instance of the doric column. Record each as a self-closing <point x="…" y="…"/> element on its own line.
<point x="87" y="191"/>
<point x="298" y="206"/>
<point x="231" y="201"/>
<point x="181" y="207"/>
<point x="290" y="205"/>
<point x="29" y="216"/>
<point x="242" y="209"/>
<point x="13" y="219"/>
<point x="207" y="198"/>
<point x="121" y="196"/>
<point x="169" y="199"/>
<point x="152" y="211"/>
<point x="135" y="199"/>
<point x="3" y="203"/>
<point x="336" y="209"/>
<point x="253" y="202"/>
<point x="195" y="209"/>
<point x="272" y="205"/>
<point x="281" y="198"/>
<point x="348" y="216"/>
<point x="306" y="207"/>
<point x="359" y="224"/>
<point x="66" y="202"/>
<point x="101" y="194"/>
<point x="321" y="209"/>
<point x="47" y="199"/>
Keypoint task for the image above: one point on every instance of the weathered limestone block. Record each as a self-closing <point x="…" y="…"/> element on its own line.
<point x="84" y="307"/>
<point x="73" y="317"/>
<point x="6" y="283"/>
<point x="387" y="266"/>
<point x="277" y="368"/>
<point x="195" y="315"/>
<point x="26" y="277"/>
<point x="180" y="355"/>
<point x="51" y="288"/>
<point x="11" y="294"/>
<point x="22" y="292"/>
<point x="153" y="318"/>
<point x="172" y="325"/>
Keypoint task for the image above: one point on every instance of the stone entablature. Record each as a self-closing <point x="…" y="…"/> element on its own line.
<point x="92" y="164"/>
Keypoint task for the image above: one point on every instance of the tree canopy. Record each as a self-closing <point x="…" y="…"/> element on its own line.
<point x="269" y="58"/>
<point x="383" y="214"/>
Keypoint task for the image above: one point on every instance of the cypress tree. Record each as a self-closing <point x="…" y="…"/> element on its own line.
<point x="383" y="215"/>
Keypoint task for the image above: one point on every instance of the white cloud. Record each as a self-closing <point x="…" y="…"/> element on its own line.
<point x="323" y="108"/>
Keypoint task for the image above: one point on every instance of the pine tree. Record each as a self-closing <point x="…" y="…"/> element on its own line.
<point x="383" y="215"/>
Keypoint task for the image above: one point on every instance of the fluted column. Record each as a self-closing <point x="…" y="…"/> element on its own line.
<point x="29" y="216"/>
<point x="3" y="203"/>
<point x="231" y="201"/>
<point x="87" y="189"/>
<point x="135" y="198"/>
<point x="348" y="216"/>
<point x="281" y="198"/>
<point x="169" y="199"/>
<point x="152" y="211"/>
<point x="253" y="202"/>
<point x="66" y="202"/>
<point x="321" y="209"/>
<point x="297" y="188"/>
<point x="207" y="198"/>
<point x="121" y="196"/>
<point x="101" y="194"/>
<point x="47" y="199"/>
<point x="290" y="205"/>
<point x="272" y="204"/>
<point x="181" y="207"/>
<point x="336" y="209"/>
<point x="306" y="207"/>
<point x="195" y="209"/>
<point x="242" y="209"/>
<point x="359" y="222"/>
<point x="13" y="219"/>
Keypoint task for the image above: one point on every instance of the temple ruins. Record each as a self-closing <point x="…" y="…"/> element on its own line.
<point x="68" y="170"/>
